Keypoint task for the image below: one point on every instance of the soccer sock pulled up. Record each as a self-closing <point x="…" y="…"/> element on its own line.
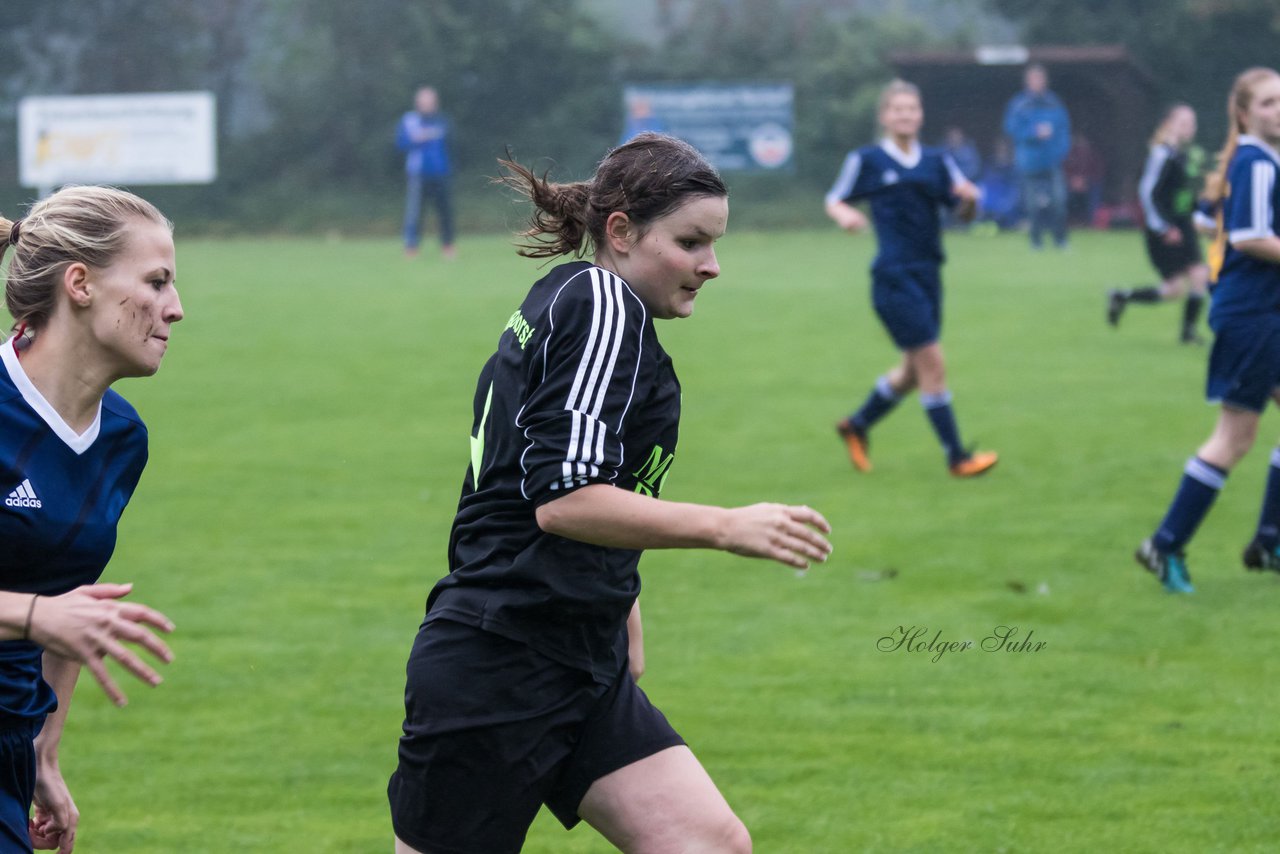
<point x="1269" y="518"/>
<point x="878" y="404"/>
<point x="1146" y="293"/>
<point x="938" y="408"/>
<point x="1191" y="313"/>
<point x="1200" y="485"/>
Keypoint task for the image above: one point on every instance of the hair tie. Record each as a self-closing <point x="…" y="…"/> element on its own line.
<point x="15" y="231"/>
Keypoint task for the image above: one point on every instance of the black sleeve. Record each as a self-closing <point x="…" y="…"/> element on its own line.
<point x="573" y="418"/>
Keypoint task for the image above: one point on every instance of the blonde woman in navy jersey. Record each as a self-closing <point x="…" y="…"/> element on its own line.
<point x="1244" y="365"/>
<point x="520" y="688"/>
<point x="90" y="288"/>
<point x="906" y="185"/>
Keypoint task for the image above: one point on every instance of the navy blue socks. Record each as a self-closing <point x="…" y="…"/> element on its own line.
<point x="1200" y="485"/>
<point x="938" y="408"/>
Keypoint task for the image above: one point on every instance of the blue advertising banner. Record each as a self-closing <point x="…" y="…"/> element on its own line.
<point x="739" y="127"/>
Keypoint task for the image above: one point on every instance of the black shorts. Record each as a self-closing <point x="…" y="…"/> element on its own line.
<point x="493" y="730"/>
<point x="1168" y="260"/>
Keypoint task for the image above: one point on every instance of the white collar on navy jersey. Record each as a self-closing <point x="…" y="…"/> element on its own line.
<point x="78" y="442"/>
<point x="908" y="160"/>
<point x="1250" y="139"/>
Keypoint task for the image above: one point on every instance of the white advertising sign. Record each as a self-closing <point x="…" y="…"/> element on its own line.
<point x="165" y="138"/>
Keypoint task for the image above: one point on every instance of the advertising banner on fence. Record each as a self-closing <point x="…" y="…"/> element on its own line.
<point x="165" y="138"/>
<point x="740" y="127"/>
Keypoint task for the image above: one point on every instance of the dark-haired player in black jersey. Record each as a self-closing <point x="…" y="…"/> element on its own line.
<point x="518" y="690"/>
<point x="1168" y="192"/>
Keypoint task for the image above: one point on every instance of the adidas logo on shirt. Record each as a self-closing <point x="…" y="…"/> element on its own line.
<point x="23" y="496"/>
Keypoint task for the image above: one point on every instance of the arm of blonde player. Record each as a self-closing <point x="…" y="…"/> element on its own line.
<point x="635" y="643"/>
<point x="88" y="625"/>
<point x="847" y="216"/>
<point x="55" y="819"/>
<point x="968" y="196"/>
<point x="1263" y="248"/>
<point x="607" y="516"/>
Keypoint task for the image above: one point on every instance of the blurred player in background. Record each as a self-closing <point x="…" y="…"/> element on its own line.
<point x="90" y="286"/>
<point x="1168" y="192"/>
<point x="1244" y="365"/>
<point x="521" y="689"/>
<point x="423" y="136"/>
<point x="1038" y="123"/>
<point x="906" y="185"/>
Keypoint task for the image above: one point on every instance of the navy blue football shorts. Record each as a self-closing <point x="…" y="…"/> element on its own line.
<point x="1168" y="260"/>
<point x="493" y="730"/>
<point x="908" y="300"/>
<point x="1244" y="366"/>
<point x="17" y="784"/>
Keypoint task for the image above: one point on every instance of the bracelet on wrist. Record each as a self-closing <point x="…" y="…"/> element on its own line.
<point x="31" y="609"/>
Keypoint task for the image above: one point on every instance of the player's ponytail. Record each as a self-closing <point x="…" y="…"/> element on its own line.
<point x="1215" y="183"/>
<point x="558" y="224"/>
<point x="646" y="178"/>
<point x="89" y="225"/>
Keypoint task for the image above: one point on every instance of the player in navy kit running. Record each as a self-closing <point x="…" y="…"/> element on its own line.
<point x="90" y="288"/>
<point x="906" y="185"/>
<point x="1244" y="365"/>
<point x="518" y="690"/>
<point x="1168" y="194"/>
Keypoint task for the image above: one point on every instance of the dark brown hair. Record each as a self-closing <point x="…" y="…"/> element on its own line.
<point x="646" y="179"/>
<point x="85" y="224"/>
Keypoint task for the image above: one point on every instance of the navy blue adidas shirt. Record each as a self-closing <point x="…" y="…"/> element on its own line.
<point x="61" y="495"/>
<point x="579" y="392"/>
<point x="905" y="191"/>
<point x="1246" y="285"/>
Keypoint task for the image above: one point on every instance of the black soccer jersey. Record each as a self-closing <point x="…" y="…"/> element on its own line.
<point x="1167" y="189"/>
<point x="579" y="392"/>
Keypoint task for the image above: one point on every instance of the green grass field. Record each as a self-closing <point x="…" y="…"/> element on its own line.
<point x="308" y="440"/>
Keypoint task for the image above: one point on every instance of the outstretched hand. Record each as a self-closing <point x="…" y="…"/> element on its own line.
<point x="790" y="535"/>
<point x="89" y="624"/>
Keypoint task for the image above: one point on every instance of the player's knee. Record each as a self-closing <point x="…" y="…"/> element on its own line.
<point x="739" y="838"/>
<point x="730" y="836"/>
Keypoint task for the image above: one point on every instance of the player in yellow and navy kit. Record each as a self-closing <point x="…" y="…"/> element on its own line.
<point x="906" y="185"/>
<point x="521" y="682"/>
<point x="1244" y="365"/>
<point x="90" y="286"/>
<point x="1168" y="192"/>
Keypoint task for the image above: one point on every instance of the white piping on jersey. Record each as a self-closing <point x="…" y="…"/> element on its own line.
<point x="908" y="159"/>
<point x="1147" y="186"/>
<point x="1263" y="182"/>
<point x="957" y="174"/>
<point x="1258" y="142"/>
<point x="77" y="442"/>
<point x="585" y="453"/>
<point x="847" y="178"/>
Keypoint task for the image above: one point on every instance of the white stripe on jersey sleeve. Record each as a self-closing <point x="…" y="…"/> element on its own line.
<point x="615" y="297"/>
<point x="847" y="178"/>
<point x="957" y="174"/>
<point x="1147" y="186"/>
<point x="1263" y="181"/>
<point x="595" y="372"/>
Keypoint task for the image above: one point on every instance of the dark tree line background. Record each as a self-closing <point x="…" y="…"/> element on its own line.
<point x="309" y="91"/>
